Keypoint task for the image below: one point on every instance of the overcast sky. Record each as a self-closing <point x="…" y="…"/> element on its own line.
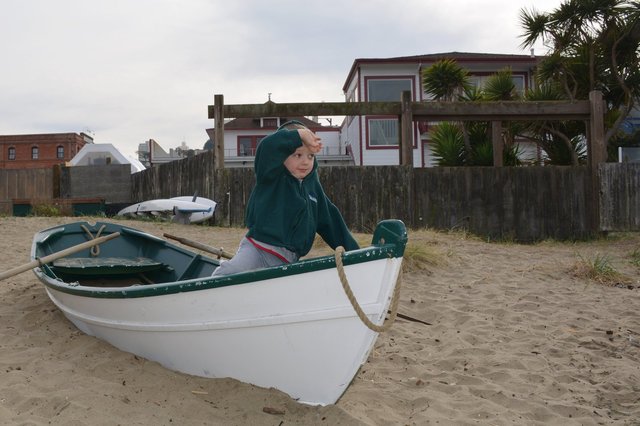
<point x="126" y="71"/>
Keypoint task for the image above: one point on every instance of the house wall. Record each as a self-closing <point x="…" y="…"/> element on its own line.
<point x="331" y="141"/>
<point x="47" y="145"/>
<point x="357" y="129"/>
<point x="389" y="155"/>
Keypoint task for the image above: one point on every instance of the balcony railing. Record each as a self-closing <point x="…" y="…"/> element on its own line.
<point x="250" y="153"/>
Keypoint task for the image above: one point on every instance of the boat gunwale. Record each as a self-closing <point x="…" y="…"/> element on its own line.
<point x="363" y="255"/>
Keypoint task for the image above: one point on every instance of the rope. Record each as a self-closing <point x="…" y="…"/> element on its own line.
<point x="95" y="250"/>
<point x="347" y="289"/>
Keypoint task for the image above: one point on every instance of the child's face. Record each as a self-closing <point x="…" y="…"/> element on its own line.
<point x="300" y="163"/>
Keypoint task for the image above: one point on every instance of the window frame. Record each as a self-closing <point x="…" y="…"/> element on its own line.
<point x="254" y="141"/>
<point x="369" y="118"/>
<point x="368" y="124"/>
<point x="482" y="77"/>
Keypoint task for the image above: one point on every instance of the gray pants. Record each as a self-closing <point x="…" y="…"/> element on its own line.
<point x="250" y="257"/>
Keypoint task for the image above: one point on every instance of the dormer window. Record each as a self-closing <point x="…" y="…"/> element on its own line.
<point x="269" y="122"/>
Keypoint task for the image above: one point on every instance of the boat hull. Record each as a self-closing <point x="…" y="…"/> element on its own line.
<point x="296" y="333"/>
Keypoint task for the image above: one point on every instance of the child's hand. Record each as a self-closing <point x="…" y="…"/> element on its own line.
<point x="310" y="140"/>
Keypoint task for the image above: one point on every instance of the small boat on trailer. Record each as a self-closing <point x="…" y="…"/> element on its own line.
<point x="289" y="327"/>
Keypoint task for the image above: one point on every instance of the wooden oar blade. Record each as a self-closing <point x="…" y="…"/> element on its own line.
<point x="54" y="256"/>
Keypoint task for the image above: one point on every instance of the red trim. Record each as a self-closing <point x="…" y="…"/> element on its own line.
<point x="267" y="250"/>
<point x="255" y="139"/>
<point x="359" y="87"/>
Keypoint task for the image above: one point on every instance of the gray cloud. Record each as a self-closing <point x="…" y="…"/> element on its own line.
<point x="133" y="70"/>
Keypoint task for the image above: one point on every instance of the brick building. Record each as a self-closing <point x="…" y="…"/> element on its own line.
<point x="41" y="150"/>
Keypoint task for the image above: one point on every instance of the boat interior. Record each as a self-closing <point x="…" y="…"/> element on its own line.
<point x="135" y="258"/>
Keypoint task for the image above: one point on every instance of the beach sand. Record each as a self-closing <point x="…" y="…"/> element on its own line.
<point x="518" y="334"/>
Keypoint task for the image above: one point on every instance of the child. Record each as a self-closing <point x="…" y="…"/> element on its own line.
<point x="287" y="207"/>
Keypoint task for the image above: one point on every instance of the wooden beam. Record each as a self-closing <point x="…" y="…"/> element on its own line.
<point x="406" y="131"/>
<point x="597" y="147"/>
<point x="597" y="154"/>
<point x="501" y="110"/>
<point x="218" y="139"/>
<point x="435" y="111"/>
<point x="272" y="109"/>
<point x="498" y="144"/>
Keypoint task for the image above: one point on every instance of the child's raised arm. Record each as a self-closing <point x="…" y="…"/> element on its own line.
<point x="310" y="140"/>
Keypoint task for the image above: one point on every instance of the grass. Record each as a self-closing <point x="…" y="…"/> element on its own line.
<point x="635" y="258"/>
<point x="419" y="257"/>
<point x="45" y="210"/>
<point x="599" y="269"/>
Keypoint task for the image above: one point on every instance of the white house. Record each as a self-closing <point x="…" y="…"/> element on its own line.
<point x="373" y="140"/>
<point x="150" y="153"/>
<point x="104" y="153"/>
<point x="242" y="135"/>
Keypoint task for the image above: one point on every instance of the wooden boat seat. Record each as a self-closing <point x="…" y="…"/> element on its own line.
<point x="104" y="266"/>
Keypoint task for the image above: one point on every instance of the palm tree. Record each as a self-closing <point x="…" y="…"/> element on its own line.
<point x="594" y="45"/>
<point x="447" y="144"/>
<point x="561" y="141"/>
<point x="445" y="80"/>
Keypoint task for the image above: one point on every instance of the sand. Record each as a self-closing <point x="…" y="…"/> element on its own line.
<point x="518" y="334"/>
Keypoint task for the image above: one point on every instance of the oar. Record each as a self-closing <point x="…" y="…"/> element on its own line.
<point x="217" y="251"/>
<point x="54" y="256"/>
<point x="412" y="319"/>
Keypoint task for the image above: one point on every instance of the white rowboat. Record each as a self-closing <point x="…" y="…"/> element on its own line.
<point x="289" y="327"/>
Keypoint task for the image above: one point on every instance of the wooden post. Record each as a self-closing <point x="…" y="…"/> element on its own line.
<point x="597" y="148"/>
<point x="597" y="154"/>
<point x="498" y="145"/>
<point x="406" y="130"/>
<point x="218" y="139"/>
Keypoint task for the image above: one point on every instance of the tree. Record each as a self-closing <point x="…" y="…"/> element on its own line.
<point x="445" y="80"/>
<point x="468" y="143"/>
<point x="563" y="142"/>
<point x="593" y="45"/>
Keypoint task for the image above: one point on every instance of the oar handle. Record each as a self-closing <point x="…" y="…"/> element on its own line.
<point x="217" y="251"/>
<point x="54" y="256"/>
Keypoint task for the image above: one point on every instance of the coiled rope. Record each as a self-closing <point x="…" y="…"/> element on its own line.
<point x="95" y="250"/>
<point x="356" y="306"/>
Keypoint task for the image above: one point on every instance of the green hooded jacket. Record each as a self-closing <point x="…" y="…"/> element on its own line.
<point x="286" y="212"/>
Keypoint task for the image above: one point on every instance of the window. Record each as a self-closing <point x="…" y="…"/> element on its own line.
<point x="387" y="90"/>
<point x="247" y="145"/>
<point x="480" y="80"/>
<point x="34" y="152"/>
<point x="383" y="131"/>
<point x="12" y="154"/>
<point x="269" y="122"/>
<point x="60" y="152"/>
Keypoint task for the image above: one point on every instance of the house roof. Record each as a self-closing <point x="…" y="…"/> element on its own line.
<point x="254" y="124"/>
<point x="90" y="152"/>
<point x="461" y="57"/>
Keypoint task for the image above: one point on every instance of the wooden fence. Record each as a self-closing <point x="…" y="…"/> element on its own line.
<point x="35" y="184"/>
<point x="620" y="197"/>
<point x="518" y="203"/>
